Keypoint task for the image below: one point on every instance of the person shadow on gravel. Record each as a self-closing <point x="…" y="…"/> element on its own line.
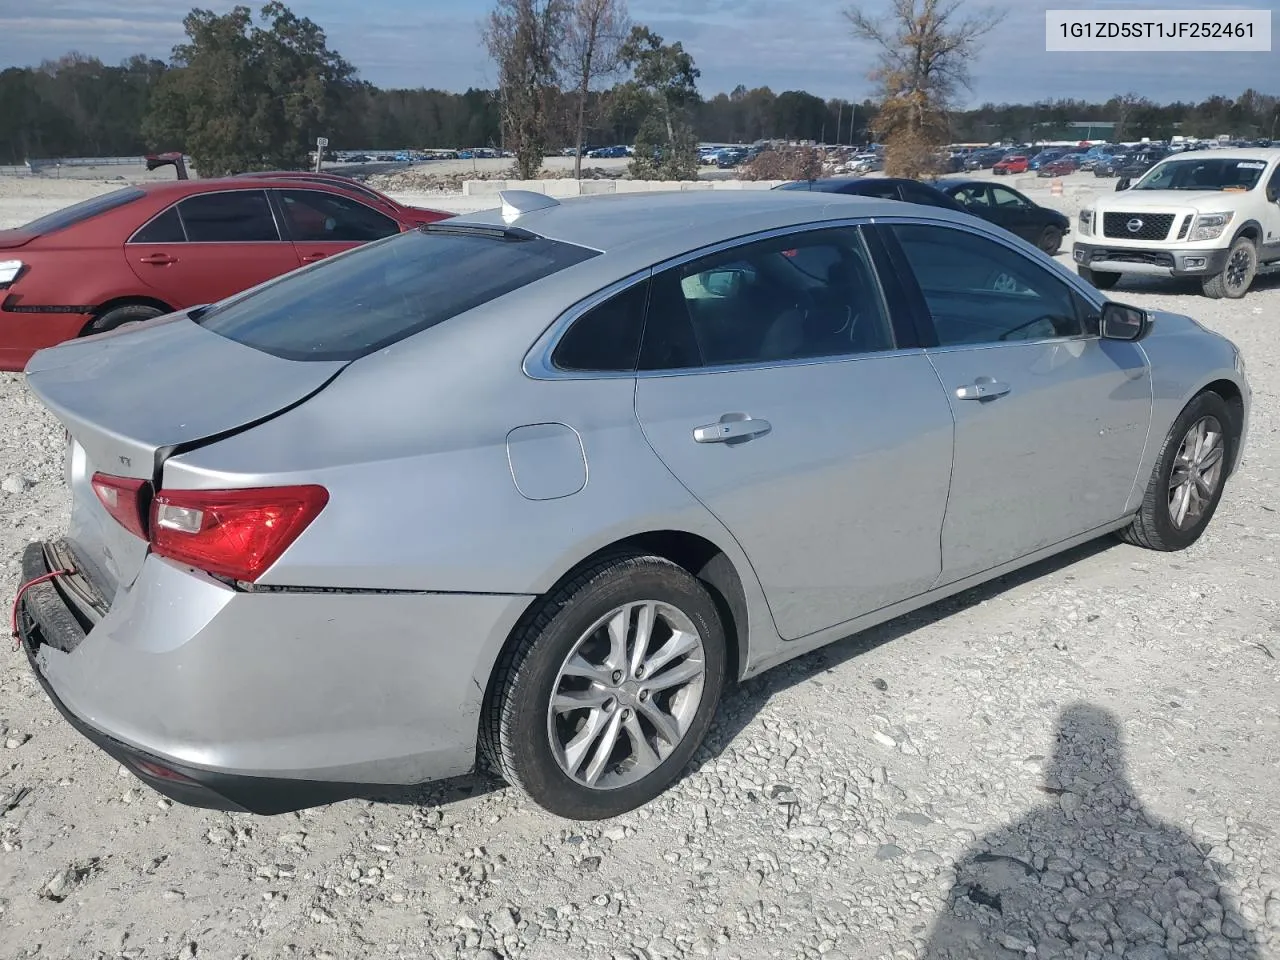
<point x="1089" y="875"/>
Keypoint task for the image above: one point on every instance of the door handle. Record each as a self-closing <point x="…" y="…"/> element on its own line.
<point x="313" y="257"/>
<point x="158" y="259"/>
<point x="727" y="430"/>
<point x="984" y="388"/>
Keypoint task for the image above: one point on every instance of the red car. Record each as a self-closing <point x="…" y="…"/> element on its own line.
<point x="1015" y="164"/>
<point x="146" y="250"/>
<point x="1058" y="168"/>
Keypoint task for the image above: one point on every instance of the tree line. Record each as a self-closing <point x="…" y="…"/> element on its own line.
<point x="252" y="93"/>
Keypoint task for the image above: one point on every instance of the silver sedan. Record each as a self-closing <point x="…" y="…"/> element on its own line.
<point x="528" y="488"/>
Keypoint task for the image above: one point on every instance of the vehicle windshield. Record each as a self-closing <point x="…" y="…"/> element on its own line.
<point x="378" y="294"/>
<point x="1203" y="173"/>
<point x="77" y="212"/>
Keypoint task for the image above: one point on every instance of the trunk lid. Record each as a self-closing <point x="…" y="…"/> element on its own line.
<point x="131" y="398"/>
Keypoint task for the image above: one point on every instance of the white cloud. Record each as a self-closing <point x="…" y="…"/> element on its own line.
<point x="785" y="44"/>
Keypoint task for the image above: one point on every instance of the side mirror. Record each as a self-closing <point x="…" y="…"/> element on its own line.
<point x="724" y="283"/>
<point x="1123" y="322"/>
<point x="1122" y="183"/>
<point x="1273" y="194"/>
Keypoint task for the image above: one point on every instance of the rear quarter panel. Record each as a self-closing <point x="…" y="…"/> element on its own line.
<point x="413" y="449"/>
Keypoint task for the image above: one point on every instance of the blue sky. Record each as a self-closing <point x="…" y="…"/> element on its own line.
<point x="784" y="44"/>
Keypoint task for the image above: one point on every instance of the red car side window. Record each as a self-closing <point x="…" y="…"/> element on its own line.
<point x="229" y="216"/>
<point x="165" y="228"/>
<point x="314" y="215"/>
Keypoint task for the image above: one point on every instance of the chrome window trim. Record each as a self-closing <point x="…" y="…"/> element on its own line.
<point x="538" y="366"/>
<point x="778" y="364"/>
<point x="537" y="362"/>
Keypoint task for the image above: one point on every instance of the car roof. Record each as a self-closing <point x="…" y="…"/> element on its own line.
<point x="182" y="188"/>
<point x="956" y="183"/>
<point x="1238" y="153"/>
<point x="664" y="224"/>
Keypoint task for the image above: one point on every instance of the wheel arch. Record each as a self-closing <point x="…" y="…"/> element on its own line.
<point x="702" y="558"/>
<point x="1251" y="229"/>
<point x="1230" y="392"/>
<point x="125" y="301"/>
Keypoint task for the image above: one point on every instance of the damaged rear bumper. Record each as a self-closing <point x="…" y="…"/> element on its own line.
<point x="266" y="702"/>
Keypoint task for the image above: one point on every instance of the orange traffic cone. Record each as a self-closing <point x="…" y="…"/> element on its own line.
<point x="1056" y="188"/>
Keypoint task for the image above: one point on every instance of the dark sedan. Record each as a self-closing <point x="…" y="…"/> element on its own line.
<point x="887" y="188"/>
<point x="1008" y="208"/>
<point x="1136" y="164"/>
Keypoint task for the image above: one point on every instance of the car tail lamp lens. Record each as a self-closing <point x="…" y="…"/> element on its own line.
<point x="237" y="534"/>
<point x="160" y="772"/>
<point x="125" y="499"/>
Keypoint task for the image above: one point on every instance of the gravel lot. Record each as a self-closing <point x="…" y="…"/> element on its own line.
<point x="1080" y="761"/>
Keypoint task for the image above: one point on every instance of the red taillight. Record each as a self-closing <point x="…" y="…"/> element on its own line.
<point x="233" y="533"/>
<point x="160" y="772"/>
<point x="125" y="499"/>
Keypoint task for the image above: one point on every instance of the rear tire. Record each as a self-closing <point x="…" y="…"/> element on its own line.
<point x="1237" y="273"/>
<point x="122" y="316"/>
<point x="1202" y="470"/>
<point x="1102" y="279"/>
<point x="573" y="720"/>
<point x="1050" y="241"/>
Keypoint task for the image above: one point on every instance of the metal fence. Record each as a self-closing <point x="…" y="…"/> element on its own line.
<point x="57" y="166"/>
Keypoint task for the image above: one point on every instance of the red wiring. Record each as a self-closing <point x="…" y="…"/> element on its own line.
<point x="17" y="601"/>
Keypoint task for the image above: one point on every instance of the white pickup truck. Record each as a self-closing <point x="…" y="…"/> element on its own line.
<point x="1210" y="214"/>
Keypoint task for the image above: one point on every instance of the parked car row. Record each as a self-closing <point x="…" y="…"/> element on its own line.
<point x="336" y="533"/>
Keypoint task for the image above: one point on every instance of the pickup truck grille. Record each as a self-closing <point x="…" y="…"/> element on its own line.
<point x="1151" y="226"/>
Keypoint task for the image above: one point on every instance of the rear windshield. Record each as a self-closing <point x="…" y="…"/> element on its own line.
<point x="68" y="216"/>
<point x="385" y="291"/>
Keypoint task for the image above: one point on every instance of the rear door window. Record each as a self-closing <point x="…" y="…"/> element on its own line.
<point x="378" y="294"/>
<point x="229" y="216"/>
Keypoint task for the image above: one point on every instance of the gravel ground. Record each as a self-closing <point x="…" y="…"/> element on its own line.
<point x="1079" y="761"/>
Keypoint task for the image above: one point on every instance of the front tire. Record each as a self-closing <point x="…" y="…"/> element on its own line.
<point x="1237" y="274"/>
<point x="607" y="689"/>
<point x="1050" y="241"/>
<point x="1186" y="485"/>
<point x="1101" y="279"/>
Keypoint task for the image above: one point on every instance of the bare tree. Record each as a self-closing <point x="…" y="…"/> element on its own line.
<point x="926" y="47"/>
<point x="523" y="37"/>
<point x="594" y="32"/>
<point x="1129" y="107"/>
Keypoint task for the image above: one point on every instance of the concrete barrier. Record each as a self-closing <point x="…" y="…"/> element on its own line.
<point x="562" y="188"/>
<point x="483" y="188"/>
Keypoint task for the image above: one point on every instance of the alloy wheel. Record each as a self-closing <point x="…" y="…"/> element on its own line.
<point x="1238" y="268"/>
<point x="626" y="694"/>
<point x="1197" y="471"/>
